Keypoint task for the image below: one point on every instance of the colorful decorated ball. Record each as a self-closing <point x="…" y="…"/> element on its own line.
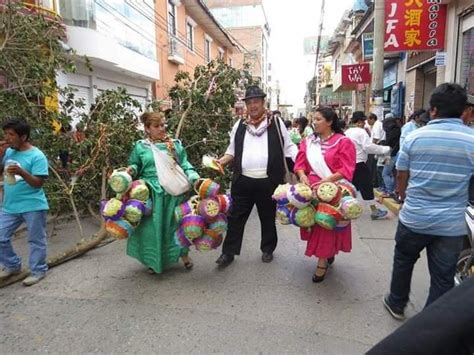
<point x="283" y="215"/>
<point x="299" y="195"/>
<point x="102" y="204"/>
<point x="148" y="207"/>
<point x="219" y="225"/>
<point x="193" y="226"/>
<point x="351" y="208"/>
<point x="183" y="210"/>
<point x="347" y="189"/>
<point x="303" y="217"/>
<point x="325" y="221"/>
<point x="134" y="210"/>
<point x="208" y="241"/>
<point x="280" y="194"/>
<point x="181" y="239"/>
<point x="225" y="203"/>
<point x="114" y="209"/>
<point x="207" y="188"/>
<point x="188" y="207"/>
<point x="139" y="191"/>
<point x="120" y="229"/>
<point x="327" y="216"/>
<point x="203" y="243"/>
<point x="209" y="208"/>
<point x="342" y="224"/>
<point x="328" y="192"/>
<point x="120" y="181"/>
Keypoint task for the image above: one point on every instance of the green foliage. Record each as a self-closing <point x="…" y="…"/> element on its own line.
<point x="206" y="101"/>
<point x="31" y="54"/>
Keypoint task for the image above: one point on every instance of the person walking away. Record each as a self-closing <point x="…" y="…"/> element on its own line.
<point x="434" y="167"/>
<point x="393" y="132"/>
<point x="362" y="179"/>
<point x="25" y="168"/>
<point x="326" y="156"/>
<point x="257" y="149"/>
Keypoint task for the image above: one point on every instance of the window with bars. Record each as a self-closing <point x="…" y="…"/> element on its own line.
<point x="207" y="49"/>
<point x="190" y="36"/>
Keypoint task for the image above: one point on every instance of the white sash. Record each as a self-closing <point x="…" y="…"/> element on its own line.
<point x="170" y="175"/>
<point x="315" y="158"/>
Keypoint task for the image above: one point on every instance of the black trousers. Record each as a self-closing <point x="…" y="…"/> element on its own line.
<point x="247" y="192"/>
<point x="372" y="165"/>
<point x="443" y="328"/>
<point x="362" y="180"/>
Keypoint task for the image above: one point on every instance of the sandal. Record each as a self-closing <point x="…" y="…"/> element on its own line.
<point x="317" y="278"/>
<point x="331" y="260"/>
<point x="188" y="265"/>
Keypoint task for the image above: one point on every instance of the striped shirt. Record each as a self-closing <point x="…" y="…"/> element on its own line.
<point x="440" y="161"/>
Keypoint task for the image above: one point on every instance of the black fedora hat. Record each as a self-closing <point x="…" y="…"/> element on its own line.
<point x="254" y="92"/>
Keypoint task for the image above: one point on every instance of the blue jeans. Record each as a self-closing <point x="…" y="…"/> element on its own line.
<point x="36" y="226"/>
<point x="442" y="252"/>
<point x="388" y="178"/>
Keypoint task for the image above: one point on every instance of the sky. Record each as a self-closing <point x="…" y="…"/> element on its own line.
<point x="290" y="22"/>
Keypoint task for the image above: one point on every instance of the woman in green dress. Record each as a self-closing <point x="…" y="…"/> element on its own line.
<point x="153" y="243"/>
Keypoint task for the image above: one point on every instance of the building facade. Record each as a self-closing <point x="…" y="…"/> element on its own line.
<point x="119" y="40"/>
<point x="188" y="35"/>
<point x="246" y="22"/>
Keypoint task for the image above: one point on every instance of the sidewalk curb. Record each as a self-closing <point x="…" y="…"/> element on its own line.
<point x="390" y="203"/>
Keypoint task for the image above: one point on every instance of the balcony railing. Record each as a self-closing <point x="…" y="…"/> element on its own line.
<point x="175" y="51"/>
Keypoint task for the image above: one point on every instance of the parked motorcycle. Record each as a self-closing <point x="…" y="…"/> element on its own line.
<point x="465" y="264"/>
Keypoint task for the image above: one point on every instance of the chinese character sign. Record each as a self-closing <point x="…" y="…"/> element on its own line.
<point x="414" y="25"/>
<point x="356" y="74"/>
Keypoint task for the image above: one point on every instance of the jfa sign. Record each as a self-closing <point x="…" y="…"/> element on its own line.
<point x="356" y="74"/>
<point x="414" y="25"/>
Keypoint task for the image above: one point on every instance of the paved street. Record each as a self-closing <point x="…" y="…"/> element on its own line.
<point x="107" y="302"/>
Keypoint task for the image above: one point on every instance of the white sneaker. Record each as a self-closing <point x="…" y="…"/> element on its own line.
<point x="4" y="273"/>
<point x="33" y="279"/>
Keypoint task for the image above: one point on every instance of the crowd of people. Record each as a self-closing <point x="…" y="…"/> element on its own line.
<point x="426" y="164"/>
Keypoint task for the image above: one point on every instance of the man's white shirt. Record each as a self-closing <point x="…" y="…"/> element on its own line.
<point x="255" y="150"/>
<point x="363" y="144"/>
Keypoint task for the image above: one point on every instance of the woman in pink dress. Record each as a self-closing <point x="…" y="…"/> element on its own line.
<point x="327" y="155"/>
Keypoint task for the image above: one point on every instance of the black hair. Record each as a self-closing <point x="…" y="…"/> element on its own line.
<point x="373" y="116"/>
<point x="330" y="116"/>
<point x="449" y="99"/>
<point x="277" y="112"/>
<point x="288" y="124"/>
<point x="358" y="116"/>
<point x="303" y="123"/>
<point x="20" y="127"/>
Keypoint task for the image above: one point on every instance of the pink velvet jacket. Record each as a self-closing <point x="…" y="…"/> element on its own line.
<point x="339" y="153"/>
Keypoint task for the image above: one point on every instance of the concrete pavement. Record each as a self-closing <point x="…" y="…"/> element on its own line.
<point x="107" y="302"/>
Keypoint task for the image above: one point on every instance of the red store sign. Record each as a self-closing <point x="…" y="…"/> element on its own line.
<point x="356" y="74"/>
<point x="414" y="25"/>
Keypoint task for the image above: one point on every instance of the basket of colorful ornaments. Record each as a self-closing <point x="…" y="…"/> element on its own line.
<point x="329" y="205"/>
<point x="203" y="218"/>
<point x="123" y="213"/>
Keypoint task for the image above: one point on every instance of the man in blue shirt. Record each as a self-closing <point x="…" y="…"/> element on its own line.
<point x="419" y="119"/>
<point x="434" y="167"/>
<point x="25" y="168"/>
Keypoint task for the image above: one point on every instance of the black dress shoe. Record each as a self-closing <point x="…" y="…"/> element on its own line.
<point x="267" y="257"/>
<point x="225" y="260"/>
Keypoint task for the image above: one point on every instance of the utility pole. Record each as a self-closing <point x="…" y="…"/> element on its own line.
<point x="318" y="49"/>
<point x="378" y="59"/>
